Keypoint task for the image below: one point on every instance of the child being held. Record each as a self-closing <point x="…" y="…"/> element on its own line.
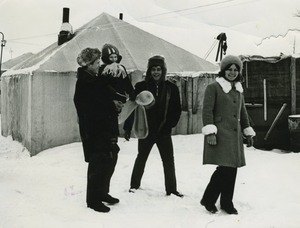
<point x="115" y="73"/>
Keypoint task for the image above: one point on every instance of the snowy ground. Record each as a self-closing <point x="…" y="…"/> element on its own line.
<point x="48" y="190"/>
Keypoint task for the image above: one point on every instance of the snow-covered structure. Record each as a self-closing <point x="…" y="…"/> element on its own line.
<point x="272" y="94"/>
<point x="11" y="63"/>
<point x="38" y="108"/>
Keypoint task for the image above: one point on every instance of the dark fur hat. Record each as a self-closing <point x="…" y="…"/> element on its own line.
<point x="156" y="60"/>
<point x="107" y="50"/>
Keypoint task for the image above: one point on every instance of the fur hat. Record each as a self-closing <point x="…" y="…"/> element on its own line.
<point x="88" y="55"/>
<point x="107" y="50"/>
<point x="157" y="60"/>
<point x="231" y="59"/>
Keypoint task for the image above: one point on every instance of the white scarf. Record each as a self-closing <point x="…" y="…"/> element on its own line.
<point x="226" y="85"/>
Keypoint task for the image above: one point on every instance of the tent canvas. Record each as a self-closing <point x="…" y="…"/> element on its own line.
<point x="134" y="44"/>
<point x="38" y="108"/>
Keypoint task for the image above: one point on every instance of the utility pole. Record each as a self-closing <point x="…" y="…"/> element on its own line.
<point x="294" y="46"/>
<point x="3" y="42"/>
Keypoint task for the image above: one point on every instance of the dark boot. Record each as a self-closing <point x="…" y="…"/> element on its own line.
<point x="230" y="210"/>
<point x="132" y="190"/>
<point x="100" y="207"/>
<point x="209" y="207"/>
<point x="175" y="193"/>
<point x="110" y="200"/>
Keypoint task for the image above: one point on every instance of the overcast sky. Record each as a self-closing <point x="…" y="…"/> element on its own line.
<point x="32" y="25"/>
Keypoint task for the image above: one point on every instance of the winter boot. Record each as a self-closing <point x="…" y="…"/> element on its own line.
<point x="100" y="207"/>
<point x="110" y="200"/>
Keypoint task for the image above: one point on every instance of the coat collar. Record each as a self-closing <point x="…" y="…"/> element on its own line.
<point x="226" y="85"/>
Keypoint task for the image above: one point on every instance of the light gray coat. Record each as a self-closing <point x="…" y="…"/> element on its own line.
<point x="224" y="114"/>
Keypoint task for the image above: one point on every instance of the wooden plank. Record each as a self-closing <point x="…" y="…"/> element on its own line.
<point x="246" y="74"/>
<point x="190" y="93"/>
<point x="293" y="85"/>
<point x="275" y="121"/>
<point x="183" y="92"/>
<point x="195" y="95"/>
<point x="265" y="99"/>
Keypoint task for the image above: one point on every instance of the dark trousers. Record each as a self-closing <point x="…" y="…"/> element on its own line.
<point x="222" y="183"/>
<point x="165" y="147"/>
<point x="99" y="174"/>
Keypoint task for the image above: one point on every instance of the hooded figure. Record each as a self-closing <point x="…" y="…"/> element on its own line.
<point x="162" y="116"/>
<point x="226" y="123"/>
<point x="107" y="51"/>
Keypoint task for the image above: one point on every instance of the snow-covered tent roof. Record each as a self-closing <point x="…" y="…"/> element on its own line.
<point x="134" y="44"/>
<point x="15" y="61"/>
<point x="269" y="59"/>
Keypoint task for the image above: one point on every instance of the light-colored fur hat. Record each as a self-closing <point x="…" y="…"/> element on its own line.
<point x="88" y="55"/>
<point x="231" y="59"/>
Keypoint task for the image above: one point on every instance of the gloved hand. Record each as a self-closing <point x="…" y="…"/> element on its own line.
<point x="114" y="70"/>
<point x="249" y="141"/>
<point x="132" y="96"/>
<point x="211" y="139"/>
<point x="127" y="135"/>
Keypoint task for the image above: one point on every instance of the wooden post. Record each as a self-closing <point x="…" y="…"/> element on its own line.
<point x="293" y="85"/>
<point x="195" y="95"/>
<point x="265" y="99"/>
<point x="246" y="74"/>
<point x="190" y="105"/>
<point x="275" y="121"/>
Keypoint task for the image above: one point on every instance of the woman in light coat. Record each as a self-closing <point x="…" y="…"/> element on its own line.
<point x="225" y="122"/>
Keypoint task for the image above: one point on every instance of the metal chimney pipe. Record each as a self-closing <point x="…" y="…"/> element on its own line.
<point x="66" y="30"/>
<point x="121" y="16"/>
<point x="66" y="13"/>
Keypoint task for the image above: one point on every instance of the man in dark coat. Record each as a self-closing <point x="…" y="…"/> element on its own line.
<point x="98" y="126"/>
<point x="161" y="117"/>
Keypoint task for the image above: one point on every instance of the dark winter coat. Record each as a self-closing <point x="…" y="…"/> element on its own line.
<point x="225" y="111"/>
<point x="97" y="116"/>
<point x="165" y="113"/>
<point x="120" y="87"/>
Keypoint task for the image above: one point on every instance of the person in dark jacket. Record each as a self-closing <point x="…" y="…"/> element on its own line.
<point x="98" y="126"/>
<point x="226" y="123"/>
<point x="162" y="116"/>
